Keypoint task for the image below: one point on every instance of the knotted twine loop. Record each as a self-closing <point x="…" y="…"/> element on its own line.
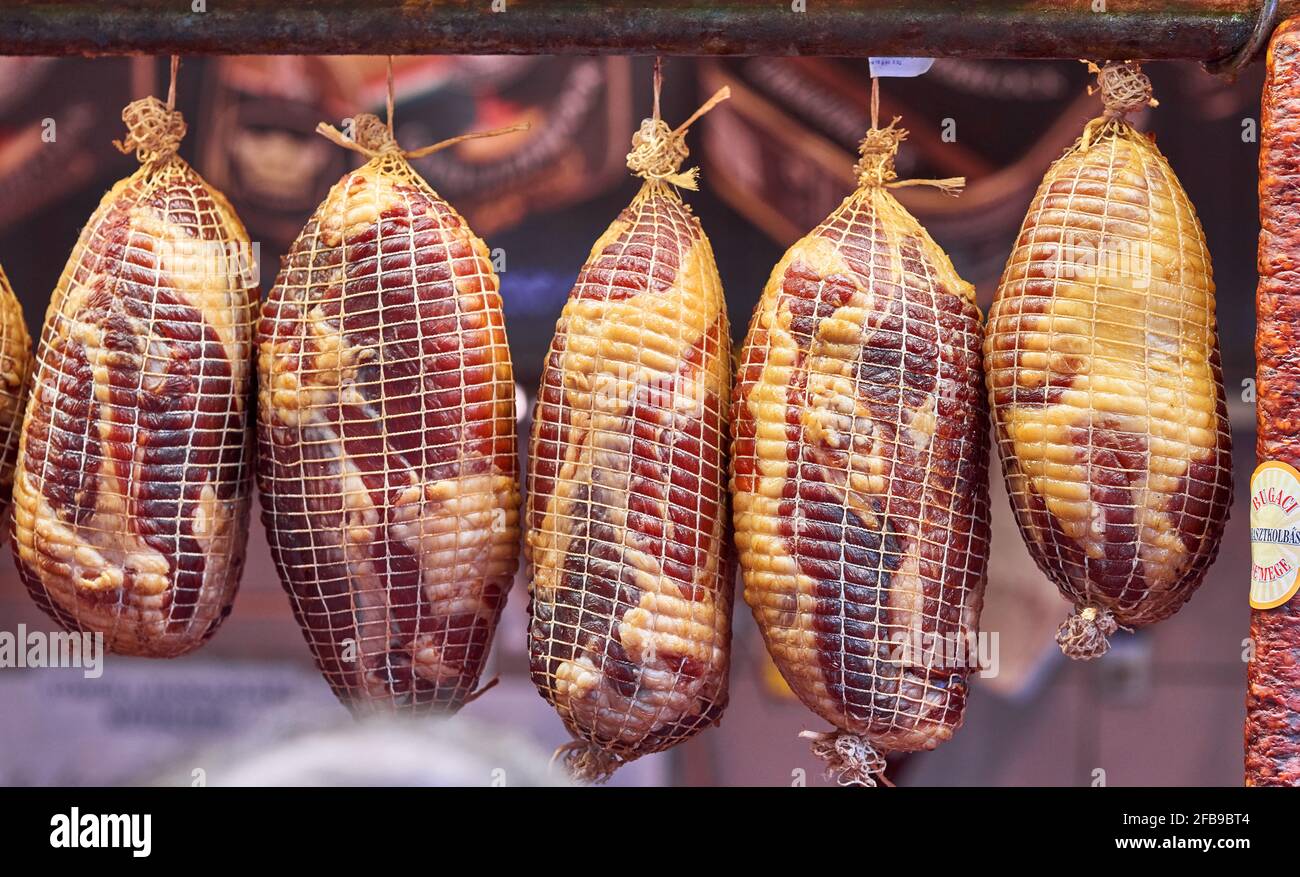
<point x="657" y="154"/>
<point x="1123" y="86"/>
<point x="153" y="130"/>
<point x="586" y="762"/>
<point x="1124" y="89"/>
<point x="373" y="135"/>
<point x="658" y="151"/>
<point x="1086" y="634"/>
<point x="374" y="138"/>
<point x="850" y="759"/>
<point x="876" y="153"/>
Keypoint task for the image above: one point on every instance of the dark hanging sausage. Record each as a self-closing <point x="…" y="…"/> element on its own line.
<point x="1273" y="674"/>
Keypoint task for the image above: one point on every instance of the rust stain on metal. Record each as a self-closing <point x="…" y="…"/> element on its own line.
<point x="1190" y="29"/>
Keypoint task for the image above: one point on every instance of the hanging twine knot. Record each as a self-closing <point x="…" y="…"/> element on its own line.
<point x="153" y="130"/>
<point x="1123" y="86"/>
<point x="371" y="134"/>
<point x="586" y="762"/>
<point x="875" y="165"/>
<point x="877" y="150"/>
<point x="1086" y="634"/>
<point x="850" y="759"/>
<point x="372" y="137"/>
<point x="658" y="152"/>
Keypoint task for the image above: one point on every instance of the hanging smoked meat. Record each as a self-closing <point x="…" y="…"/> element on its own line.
<point x="386" y="437"/>
<point x="131" y="492"/>
<point x="1105" y="381"/>
<point x="627" y="530"/>
<point x="859" y="474"/>
<point x="15" y="367"/>
<point x="1273" y="673"/>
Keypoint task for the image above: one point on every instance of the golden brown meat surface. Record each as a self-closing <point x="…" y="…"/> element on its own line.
<point x="15" y="368"/>
<point x="1107" y="394"/>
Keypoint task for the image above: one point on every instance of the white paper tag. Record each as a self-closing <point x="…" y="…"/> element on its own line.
<point x="900" y="66"/>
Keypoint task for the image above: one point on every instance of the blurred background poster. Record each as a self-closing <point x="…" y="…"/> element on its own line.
<point x="1165" y="707"/>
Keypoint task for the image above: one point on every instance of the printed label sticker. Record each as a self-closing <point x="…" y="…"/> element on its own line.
<point x="1274" y="535"/>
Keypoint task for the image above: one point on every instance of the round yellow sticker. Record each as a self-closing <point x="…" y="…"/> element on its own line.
<point x="1274" y="535"/>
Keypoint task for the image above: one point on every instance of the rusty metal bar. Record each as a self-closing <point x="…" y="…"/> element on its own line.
<point x="1202" y="30"/>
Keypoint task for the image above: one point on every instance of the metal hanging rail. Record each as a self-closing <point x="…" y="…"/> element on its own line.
<point x="1200" y="30"/>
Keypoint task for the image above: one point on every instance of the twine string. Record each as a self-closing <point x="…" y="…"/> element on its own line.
<point x="876" y="153"/>
<point x="659" y="83"/>
<point x="1086" y="634"/>
<point x="389" y="100"/>
<point x="586" y="762"/>
<point x="171" y="87"/>
<point x="875" y="102"/>
<point x="373" y="138"/>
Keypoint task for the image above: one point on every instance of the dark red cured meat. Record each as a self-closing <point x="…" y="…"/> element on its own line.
<point x="631" y="589"/>
<point x="133" y="488"/>
<point x="859" y="473"/>
<point x="388" y="468"/>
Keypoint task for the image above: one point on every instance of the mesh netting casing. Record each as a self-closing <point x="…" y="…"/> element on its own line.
<point x="859" y="474"/>
<point x="386" y="433"/>
<point x="631" y="589"/>
<point x="1105" y="382"/>
<point x="15" y="369"/>
<point x="131" y="491"/>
